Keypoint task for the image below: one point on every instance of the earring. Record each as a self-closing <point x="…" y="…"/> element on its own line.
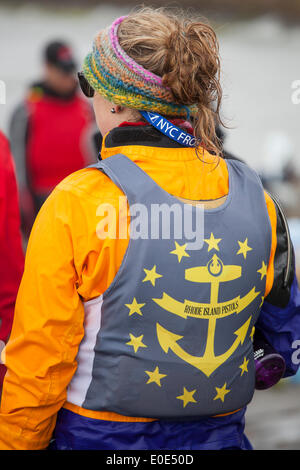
<point x="113" y="110"/>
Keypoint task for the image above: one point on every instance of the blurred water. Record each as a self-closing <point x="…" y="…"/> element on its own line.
<point x="260" y="61"/>
<point x="273" y="418"/>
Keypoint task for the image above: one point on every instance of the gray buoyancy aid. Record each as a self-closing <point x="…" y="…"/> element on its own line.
<point x="172" y="335"/>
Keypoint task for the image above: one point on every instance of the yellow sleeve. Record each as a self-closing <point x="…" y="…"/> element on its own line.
<point x="273" y="221"/>
<point x="47" y="330"/>
<point x="67" y="262"/>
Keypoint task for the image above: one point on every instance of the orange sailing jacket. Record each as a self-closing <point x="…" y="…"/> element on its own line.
<point x="67" y="263"/>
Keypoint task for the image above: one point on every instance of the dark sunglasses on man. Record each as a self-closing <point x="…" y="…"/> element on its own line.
<point x="86" y="88"/>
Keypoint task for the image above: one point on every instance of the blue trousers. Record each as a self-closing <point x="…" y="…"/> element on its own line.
<point x="75" y="432"/>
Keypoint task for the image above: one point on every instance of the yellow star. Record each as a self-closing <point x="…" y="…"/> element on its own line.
<point x="263" y="270"/>
<point x="244" y="366"/>
<point x="136" y="342"/>
<point x="155" y="376"/>
<point x="151" y="275"/>
<point x="221" y="392"/>
<point x="213" y="243"/>
<point x="187" y="397"/>
<point x="252" y="333"/>
<point x="262" y="301"/>
<point x="180" y="251"/>
<point x="244" y="248"/>
<point x="135" y="307"/>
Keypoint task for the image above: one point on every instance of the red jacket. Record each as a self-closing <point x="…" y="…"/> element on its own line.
<point x="11" y="252"/>
<point x="57" y="139"/>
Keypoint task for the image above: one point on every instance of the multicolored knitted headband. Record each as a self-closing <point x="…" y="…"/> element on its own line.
<point x="117" y="77"/>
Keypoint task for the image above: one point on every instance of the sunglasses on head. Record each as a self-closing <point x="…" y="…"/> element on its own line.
<point x="86" y="88"/>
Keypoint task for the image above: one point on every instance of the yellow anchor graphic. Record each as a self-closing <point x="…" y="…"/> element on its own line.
<point x="214" y="273"/>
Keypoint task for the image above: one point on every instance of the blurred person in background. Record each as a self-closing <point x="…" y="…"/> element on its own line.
<point x="279" y="172"/>
<point x="50" y="131"/>
<point x="11" y="252"/>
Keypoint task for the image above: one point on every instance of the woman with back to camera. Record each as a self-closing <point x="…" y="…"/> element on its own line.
<point x="148" y="344"/>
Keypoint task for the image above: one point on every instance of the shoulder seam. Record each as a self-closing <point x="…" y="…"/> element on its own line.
<point x="67" y="185"/>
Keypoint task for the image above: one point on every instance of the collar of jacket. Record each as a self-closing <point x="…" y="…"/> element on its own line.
<point x="41" y="90"/>
<point x="143" y="139"/>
